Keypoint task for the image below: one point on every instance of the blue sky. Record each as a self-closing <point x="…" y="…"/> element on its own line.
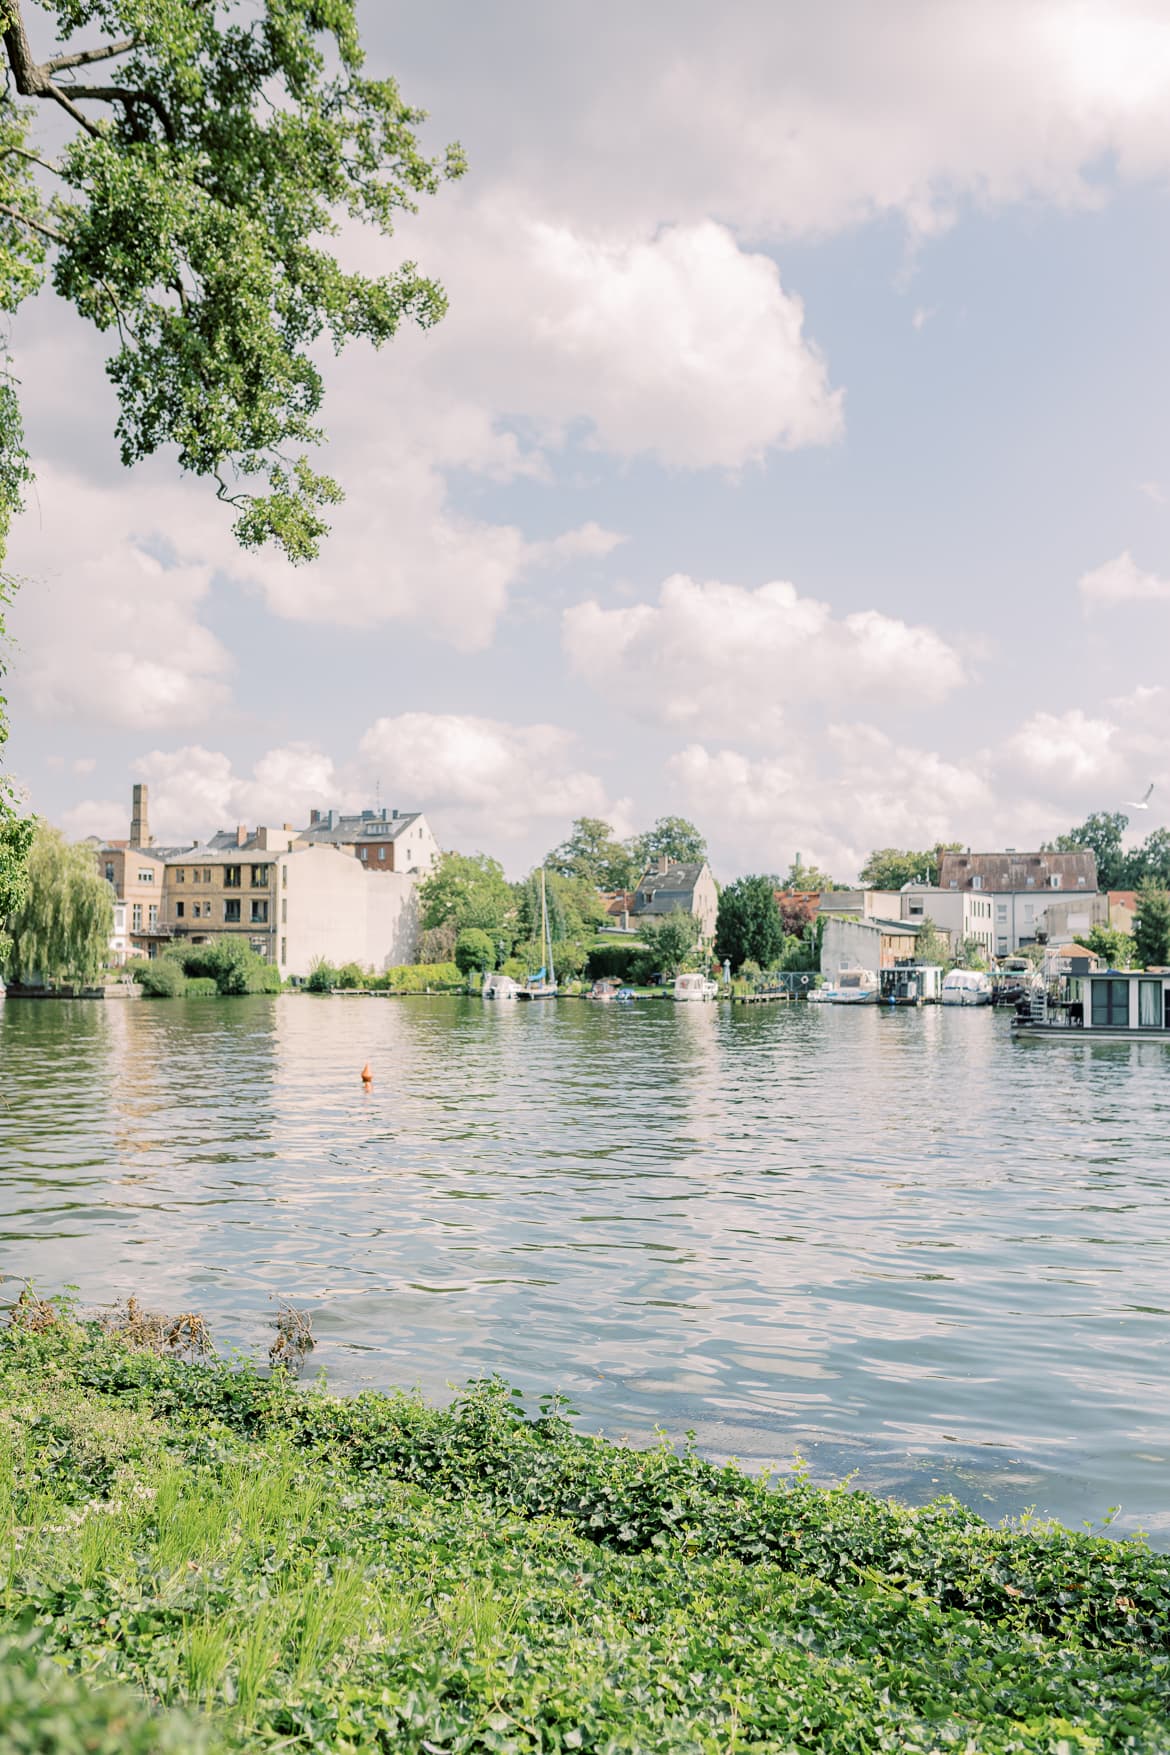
<point x="793" y="457"/>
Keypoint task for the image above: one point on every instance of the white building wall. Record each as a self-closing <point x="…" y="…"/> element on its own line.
<point x="850" y="944"/>
<point x="417" y="848"/>
<point x="329" y="906"/>
<point x="962" y="914"/>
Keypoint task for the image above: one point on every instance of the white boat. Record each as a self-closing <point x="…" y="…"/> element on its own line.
<point x="1101" y="1005"/>
<point x="694" y="987"/>
<point x="604" y="990"/>
<point x="499" y="987"/>
<point x="542" y="985"/>
<point x="967" y="987"/>
<point x="854" y="987"/>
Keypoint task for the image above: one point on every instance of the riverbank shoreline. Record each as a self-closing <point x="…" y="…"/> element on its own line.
<point x="287" y="1568"/>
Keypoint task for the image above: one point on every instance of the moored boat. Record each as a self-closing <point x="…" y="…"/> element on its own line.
<point x="606" y="991"/>
<point x="1104" y="1005"/>
<point x="499" y="987"/>
<point x="967" y="987"/>
<point x="691" y="987"/>
<point x="854" y="987"/>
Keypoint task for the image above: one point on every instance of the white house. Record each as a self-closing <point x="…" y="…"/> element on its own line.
<point x="961" y="914"/>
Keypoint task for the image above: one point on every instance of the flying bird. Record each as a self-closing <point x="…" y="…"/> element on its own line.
<point x="1143" y="803"/>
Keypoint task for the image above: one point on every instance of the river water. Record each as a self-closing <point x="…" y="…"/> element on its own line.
<point x="898" y="1243"/>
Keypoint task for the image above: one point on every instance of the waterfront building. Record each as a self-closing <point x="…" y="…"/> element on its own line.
<point x="384" y="840"/>
<point x="866" y="944"/>
<point x="669" y="886"/>
<point x="1020" y="887"/>
<point x="961" y="915"/>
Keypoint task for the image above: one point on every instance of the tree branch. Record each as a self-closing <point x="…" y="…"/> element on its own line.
<point x="121" y="94"/>
<point x="85" y="56"/>
<point x="35" y="225"/>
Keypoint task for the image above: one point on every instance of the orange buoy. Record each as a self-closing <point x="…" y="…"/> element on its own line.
<point x="367" y="1075"/>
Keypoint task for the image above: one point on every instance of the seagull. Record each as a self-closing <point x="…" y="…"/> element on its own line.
<point x="1143" y="803"/>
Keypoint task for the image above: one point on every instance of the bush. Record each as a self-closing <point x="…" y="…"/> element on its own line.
<point x="158" y="977"/>
<point x="201" y="987"/>
<point x="615" y="962"/>
<point x="351" y="976"/>
<point x="233" y="965"/>
<point x="322" y="976"/>
<point x="419" y="977"/>
<point x="474" y="950"/>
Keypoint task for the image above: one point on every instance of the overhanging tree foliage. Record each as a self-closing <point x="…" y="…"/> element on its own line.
<point x="215" y="147"/>
<point x="60" y="929"/>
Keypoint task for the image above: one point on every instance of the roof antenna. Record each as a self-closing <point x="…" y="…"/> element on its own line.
<point x="378" y="794"/>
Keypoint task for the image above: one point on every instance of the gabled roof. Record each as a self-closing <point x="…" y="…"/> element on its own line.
<point x="669" y="889"/>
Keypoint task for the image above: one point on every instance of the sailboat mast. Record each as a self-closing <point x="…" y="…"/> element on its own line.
<point x="547" y="930"/>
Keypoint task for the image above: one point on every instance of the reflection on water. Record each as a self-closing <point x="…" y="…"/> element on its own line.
<point x="898" y="1241"/>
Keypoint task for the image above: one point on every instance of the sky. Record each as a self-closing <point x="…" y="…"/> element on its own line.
<point x="793" y="458"/>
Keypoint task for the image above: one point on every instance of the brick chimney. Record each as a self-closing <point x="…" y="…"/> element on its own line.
<point x="314" y="818"/>
<point x="241" y="834"/>
<point x="663" y="864"/>
<point x="140" y="835"/>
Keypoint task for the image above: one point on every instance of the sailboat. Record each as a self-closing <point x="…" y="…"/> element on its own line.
<point x="542" y="985"/>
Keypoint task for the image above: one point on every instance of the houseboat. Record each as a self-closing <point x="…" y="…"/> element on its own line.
<point x="911" y="984"/>
<point x="1102" y="1005"/>
<point x="967" y="987"/>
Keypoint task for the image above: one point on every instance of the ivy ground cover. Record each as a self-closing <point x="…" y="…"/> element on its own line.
<point x="199" y="1557"/>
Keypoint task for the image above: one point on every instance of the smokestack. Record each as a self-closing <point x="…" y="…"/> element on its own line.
<point x="140" y="835"/>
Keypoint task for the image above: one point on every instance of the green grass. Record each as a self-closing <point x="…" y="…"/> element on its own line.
<point x="285" y="1570"/>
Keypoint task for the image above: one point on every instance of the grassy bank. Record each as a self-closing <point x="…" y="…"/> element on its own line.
<point x="288" y="1570"/>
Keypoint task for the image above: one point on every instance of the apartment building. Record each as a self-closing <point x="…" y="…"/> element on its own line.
<point x="1020" y="887"/>
<point x="383" y="840"/>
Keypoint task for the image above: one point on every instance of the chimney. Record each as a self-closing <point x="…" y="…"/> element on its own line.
<point x="241" y="834"/>
<point x="140" y="835"/>
<point x="314" y="818"/>
<point x="663" y="863"/>
<point x="394" y="815"/>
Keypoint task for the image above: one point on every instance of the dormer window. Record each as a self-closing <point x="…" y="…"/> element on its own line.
<point x="976" y="882"/>
<point x="1054" y="881"/>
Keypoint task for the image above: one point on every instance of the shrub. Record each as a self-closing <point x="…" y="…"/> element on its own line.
<point x="615" y="962"/>
<point x="322" y="976"/>
<point x="474" y="950"/>
<point x="45" y="1711"/>
<point x="351" y="976"/>
<point x="201" y="987"/>
<point x="418" y="977"/>
<point x="158" y="977"/>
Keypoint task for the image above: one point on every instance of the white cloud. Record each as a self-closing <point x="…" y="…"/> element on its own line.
<point x="1122" y="581"/>
<point x="1068" y="751"/>
<point x="485" y="778"/>
<point x="797" y="120"/>
<point x="831" y="802"/>
<point x="104" y="630"/>
<point x="1153" y="490"/>
<point x="194" y="791"/>
<point x="717" y="656"/>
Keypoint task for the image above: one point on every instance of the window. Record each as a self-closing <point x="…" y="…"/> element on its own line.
<point x="180" y="910"/>
<point x="1054" y="881"/>
<point x="1080" y="883"/>
<point x="207" y="874"/>
<point x="259" y="877"/>
<point x="1031" y="883"/>
<point x="284" y="877"/>
<point x="152" y="914"/>
<point x="197" y="910"/>
<point x="1150" y="1013"/>
<point x="284" y="950"/>
<point x="146" y="877"/>
<point x="231" y="908"/>
<point x="1110" y="1004"/>
<point x="976" y="882"/>
<point x="196" y="877"/>
<point x="1001" y="910"/>
<point x="109" y="872"/>
<point x="231" y="876"/>
<point x="136" y="918"/>
<point x="284" y="911"/>
<point x="363" y="852"/>
<point x="382" y="854"/>
<point x="259" y="913"/>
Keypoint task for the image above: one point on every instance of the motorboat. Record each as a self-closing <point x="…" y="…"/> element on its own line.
<point x="499" y="987"/>
<point x="967" y="987"/>
<point x="854" y="987"/>
<point x="694" y="987"/>
<point x="606" y="991"/>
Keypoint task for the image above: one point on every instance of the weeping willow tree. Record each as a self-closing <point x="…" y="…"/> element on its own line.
<point x="60" y="929"/>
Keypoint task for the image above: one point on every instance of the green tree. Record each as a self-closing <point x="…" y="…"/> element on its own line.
<point x="466" y="889"/>
<point x="592" y="853"/>
<point x="888" y="868"/>
<point x="807" y="877"/>
<point x="748" y="926"/>
<point x="930" y="946"/>
<point x="60" y="929"/>
<point x="474" y="950"/>
<point x="1149" y="863"/>
<point x="1151" y="927"/>
<point x="1114" y="947"/>
<point x="671" y="942"/>
<point x="672" y="838"/>
<point x="1101" y="834"/>
<point x="207" y="164"/>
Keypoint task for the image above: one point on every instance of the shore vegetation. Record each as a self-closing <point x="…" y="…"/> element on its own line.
<point x="284" y="1569"/>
